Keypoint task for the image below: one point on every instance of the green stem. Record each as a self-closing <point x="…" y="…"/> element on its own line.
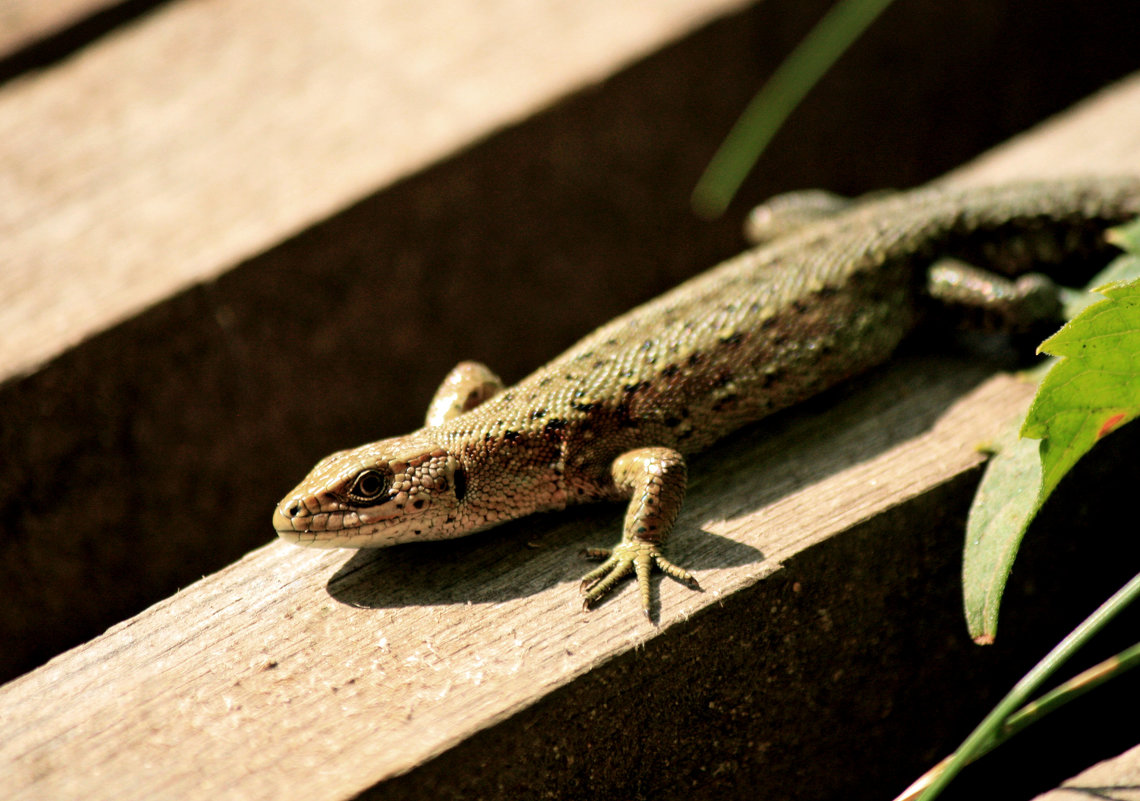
<point x="981" y="739"/>
<point x="1069" y="691"/>
<point x="764" y="115"/>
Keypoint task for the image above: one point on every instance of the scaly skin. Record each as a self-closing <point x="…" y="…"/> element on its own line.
<point x="614" y="416"/>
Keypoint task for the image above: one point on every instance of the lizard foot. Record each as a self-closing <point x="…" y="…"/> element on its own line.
<point x="635" y="556"/>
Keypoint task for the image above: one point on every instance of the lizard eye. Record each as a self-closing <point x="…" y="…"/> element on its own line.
<point x="368" y="487"/>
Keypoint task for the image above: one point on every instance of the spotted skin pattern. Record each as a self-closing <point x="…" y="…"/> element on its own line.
<point x="614" y="417"/>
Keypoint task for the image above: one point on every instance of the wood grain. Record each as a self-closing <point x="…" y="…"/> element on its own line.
<point x="202" y="107"/>
<point x="144" y="457"/>
<point x="134" y="462"/>
<point x="318" y="675"/>
<point x="1118" y="777"/>
<point x="314" y="674"/>
<point x="25" y="22"/>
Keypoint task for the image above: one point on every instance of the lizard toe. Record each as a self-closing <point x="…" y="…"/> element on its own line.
<point x="637" y="557"/>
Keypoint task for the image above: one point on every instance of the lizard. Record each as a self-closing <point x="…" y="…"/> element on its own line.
<point x="614" y="417"/>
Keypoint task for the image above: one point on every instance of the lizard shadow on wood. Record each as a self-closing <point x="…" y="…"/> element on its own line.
<point x="743" y="474"/>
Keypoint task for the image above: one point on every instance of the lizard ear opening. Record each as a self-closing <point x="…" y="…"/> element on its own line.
<point x="459" y="480"/>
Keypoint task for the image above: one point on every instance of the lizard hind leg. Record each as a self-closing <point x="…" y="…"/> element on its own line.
<point x="465" y="387"/>
<point x="654" y="480"/>
<point x="983" y="300"/>
<point x="784" y="215"/>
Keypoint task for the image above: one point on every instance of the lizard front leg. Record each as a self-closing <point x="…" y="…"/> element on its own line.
<point x="465" y="387"/>
<point x="654" y="481"/>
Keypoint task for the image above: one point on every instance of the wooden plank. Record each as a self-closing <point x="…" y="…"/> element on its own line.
<point x="133" y="458"/>
<point x="24" y="22"/>
<point x="35" y="36"/>
<point x="104" y="445"/>
<point x="1117" y="778"/>
<point x="1075" y="143"/>
<point x="316" y="674"/>
<point x="256" y="86"/>
<point x="145" y="457"/>
<point x="296" y="673"/>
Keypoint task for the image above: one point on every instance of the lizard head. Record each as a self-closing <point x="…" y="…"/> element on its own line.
<point x="396" y="490"/>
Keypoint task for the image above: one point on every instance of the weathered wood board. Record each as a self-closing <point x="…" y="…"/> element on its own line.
<point x="327" y="675"/>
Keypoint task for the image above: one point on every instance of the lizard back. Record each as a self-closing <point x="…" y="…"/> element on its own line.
<point x="784" y="321"/>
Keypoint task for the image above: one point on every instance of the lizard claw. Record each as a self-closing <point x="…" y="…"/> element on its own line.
<point x="637" y="557"/>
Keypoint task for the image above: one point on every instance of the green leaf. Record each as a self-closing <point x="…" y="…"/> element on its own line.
<point x="1004" y="504"/>
<point x="1123" y="268"/>
<point x="1126" y="237"/>
<point x="1095" y="389"/>
<point x="1012" y="490"/>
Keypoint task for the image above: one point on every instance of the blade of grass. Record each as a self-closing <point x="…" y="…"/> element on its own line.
<point x="764" y="115"/>
<point x="981" y="739"/>
<point x="1035" y="710"/>
<point x="1069" y="691"/>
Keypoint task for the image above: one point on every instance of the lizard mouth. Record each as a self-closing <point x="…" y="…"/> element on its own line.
<point x="300" y="529"/>
<point x="283" y="524"/>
